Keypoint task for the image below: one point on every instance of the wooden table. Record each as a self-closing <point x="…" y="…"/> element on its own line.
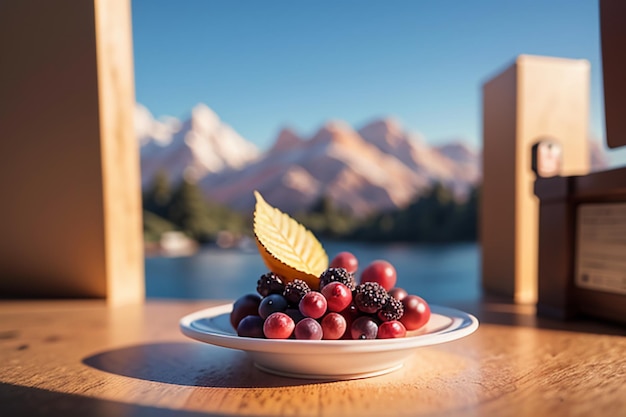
<point x="81" y="358"/>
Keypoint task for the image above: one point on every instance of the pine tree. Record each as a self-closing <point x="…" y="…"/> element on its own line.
<point x="157" y="198"/>
<point x="188" y="211"/>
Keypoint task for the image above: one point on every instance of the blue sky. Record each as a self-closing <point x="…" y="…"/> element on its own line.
<point x="262" y="65"/>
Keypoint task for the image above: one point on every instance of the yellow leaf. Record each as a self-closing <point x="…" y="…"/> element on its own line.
<point x="287" y="247"/>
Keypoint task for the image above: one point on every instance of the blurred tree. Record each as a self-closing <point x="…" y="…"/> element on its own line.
<point x="188" y="210"/>
<point x="157" y="197"/>
<point x="154" y="226"/>
<point x="326" y="219"/>
<point x="436" y="216"/>
<point x="433" y="217"/>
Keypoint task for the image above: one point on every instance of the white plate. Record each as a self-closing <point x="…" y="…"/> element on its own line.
<point x="327" y="359"/>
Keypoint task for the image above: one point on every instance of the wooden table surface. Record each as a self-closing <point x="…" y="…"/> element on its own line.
<point x="83" y="358"/>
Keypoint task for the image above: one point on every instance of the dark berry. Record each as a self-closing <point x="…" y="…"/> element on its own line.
<point x="251" y="326"/>
<point x="244" y="306"/>
<point x="392" y="310"/>
<point x="295" y="314"/>
<point x="370" y="297"/>
<point x="271" y="304"/>
<point x="270" y="283"/>
<point x="295" y="290"/>
<point x="337" y="275"/>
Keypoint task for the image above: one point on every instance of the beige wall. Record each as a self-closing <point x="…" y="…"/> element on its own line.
<point x="536" y="97"/>
<point x="70" y="222"/>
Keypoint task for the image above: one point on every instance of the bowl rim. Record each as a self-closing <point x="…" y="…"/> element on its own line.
<point x="461" y="324"/>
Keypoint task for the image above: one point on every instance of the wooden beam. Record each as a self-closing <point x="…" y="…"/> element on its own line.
<point x="70" y="222"/>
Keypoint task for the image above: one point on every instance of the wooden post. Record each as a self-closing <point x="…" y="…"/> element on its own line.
<point x="556" y="247"/>
<point x="613" y="35"/>
<point x="534" y="99"/>
<point x="70" y="220"/>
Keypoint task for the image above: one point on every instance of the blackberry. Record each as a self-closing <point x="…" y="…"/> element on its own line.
<point x="270" y="283"/>
<point x="337" y="275"/>
<point x="295" y="290"/>
<point x="392" y="310"/>
<point x="370" y="297"/>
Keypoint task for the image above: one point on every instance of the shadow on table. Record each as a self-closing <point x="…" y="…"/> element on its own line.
<point x="189" y="364"/>
<point x="495" y="309"/>
<point x="16" y="400"/>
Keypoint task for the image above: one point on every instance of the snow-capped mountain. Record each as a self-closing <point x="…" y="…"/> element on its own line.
<point x="378" y="167"/>
<point x="455" y="165"/>
<point x="192" y="149"/>
<point x="389" y="137"/>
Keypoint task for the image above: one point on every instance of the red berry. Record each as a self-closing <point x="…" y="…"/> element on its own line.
<point x="278" y="326"/>
<point x="313" y="305"/>
<point x="334" y="326"/>
<point x="345" y="260"/>
<point x="364" y="328"/>
<point x="398" y="293"/>
<point x="308" y="329"/>
<point x="416" y="312"/>
<point x="381" y="272"/>
<point x="350" y="314"/>
<point x="391" y="330"/>
<point x="338" y="296"/>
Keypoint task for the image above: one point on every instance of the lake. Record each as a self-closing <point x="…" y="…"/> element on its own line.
<point x="435" y="272"/>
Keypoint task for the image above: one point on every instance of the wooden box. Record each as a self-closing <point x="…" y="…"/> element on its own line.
<point x="582" y="245"/>
<point x="534" y="99"/>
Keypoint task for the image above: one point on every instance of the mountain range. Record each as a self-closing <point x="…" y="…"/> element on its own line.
<point x="377" y="167"/>
<point x="192" y="149"/>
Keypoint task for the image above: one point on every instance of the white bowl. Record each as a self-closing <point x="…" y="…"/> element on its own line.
<point x="327" y="359"/>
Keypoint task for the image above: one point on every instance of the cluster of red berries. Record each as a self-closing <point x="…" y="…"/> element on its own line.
<point x="342" y="309"/>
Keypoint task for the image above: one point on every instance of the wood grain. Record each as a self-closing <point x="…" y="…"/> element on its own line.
<point x="121" y="184"/>
<point x="81" y="357"/>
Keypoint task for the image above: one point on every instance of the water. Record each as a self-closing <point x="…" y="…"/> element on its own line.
<point x="438" y="273"/>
